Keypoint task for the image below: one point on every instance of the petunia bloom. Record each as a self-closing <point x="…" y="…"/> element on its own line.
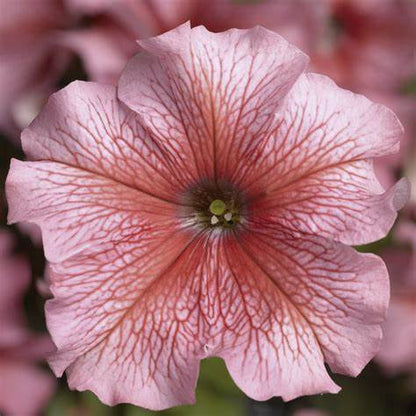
<point x="30" y="61"/>
<point x="107" y="44"/>
<point x="24" y="388"/>
<point x="374" y="49"/>
<point x="398" y="352"/>
<point x="205" y="208"/>
<point x="374" y="53"/>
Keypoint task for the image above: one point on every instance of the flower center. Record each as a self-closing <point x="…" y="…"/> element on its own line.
<point x="215" y="205"/>
<point x="221" y="214"/>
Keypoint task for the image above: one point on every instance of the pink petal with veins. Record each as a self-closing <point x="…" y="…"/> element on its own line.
<point x="143" y="344"/>
<point x="336" y="295"/>
<point x="146" y="284"/>
<point x="321" y="151"/>
<point x="211" y="71"/>
<point x="92" y="131"/>
<point x="386" y="167"/>
<point x="100" y="232"/>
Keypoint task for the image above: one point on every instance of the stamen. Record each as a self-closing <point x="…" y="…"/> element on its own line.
<point x="214" y="220"/>
<point x="228" y="216"/>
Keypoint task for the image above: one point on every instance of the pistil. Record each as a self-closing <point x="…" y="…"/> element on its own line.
<point x="222" y="214"/>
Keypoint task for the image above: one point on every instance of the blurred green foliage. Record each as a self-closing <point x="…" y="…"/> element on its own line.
<point x="373" y="393"/>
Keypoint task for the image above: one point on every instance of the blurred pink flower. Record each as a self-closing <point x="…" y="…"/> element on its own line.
<point x="410" y="172"/>
<point x="209" y="213"/>
<point x="24" y="389"/>
<point x="398" y="352"/>
<point x="30" y="60"/>
<point x="107" y="44"/>
<point x="375" y="47"/>
<point x="34" y="47"/>
<point x="104" y="47"/>
<point x="374" y="52"/>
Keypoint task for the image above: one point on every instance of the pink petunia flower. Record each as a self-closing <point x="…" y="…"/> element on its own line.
<point x="107" y="44"/>
<point x="374" y="52"/>
<point x="398" y="352"/>
<point x="30" y="60"/>
<point x="24" y="389"/>
<point x="375" y="47"/>
<point x="209" y="213"/>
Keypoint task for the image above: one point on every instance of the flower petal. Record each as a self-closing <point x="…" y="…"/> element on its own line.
<point x="339" y="295"/>
<point x="137" y="303"/>
<point x="318" y="168"/>
<point x="146" y="350"/>
<point x="209" y="95"/>
<point x="77" y="209"/>
<point x="109" y="248"/>
<point x="269" y="347"/>
<point x="85" y="126"/>
<point x="141" y="343"/>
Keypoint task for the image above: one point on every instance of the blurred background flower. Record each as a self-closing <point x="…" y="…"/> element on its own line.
<point x="367" y="46"/>
<point x="398" y="352"/>
<point x="24" y="387"/>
